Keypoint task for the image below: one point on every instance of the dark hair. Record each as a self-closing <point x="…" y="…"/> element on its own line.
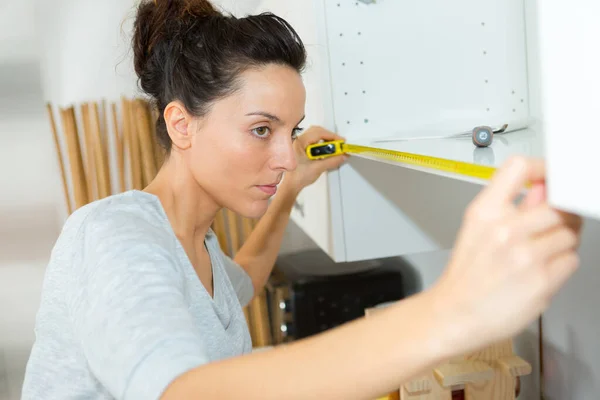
<point x="186" y="50"/>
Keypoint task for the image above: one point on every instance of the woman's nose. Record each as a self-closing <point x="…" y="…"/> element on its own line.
<point x="284" y="157"/>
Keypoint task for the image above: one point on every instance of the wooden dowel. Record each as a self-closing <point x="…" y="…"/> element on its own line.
<point x="99" y="153"/>
<point x="60" y="158"/>
<point x="88" y="152"/>
<point x="136" y="164"/>
<point x="233" y="230"/>
<point x="104" y="129"/>
<point x="144" y="134"/>
<point x="118" y="137"/>
<point x="75" y="160"/>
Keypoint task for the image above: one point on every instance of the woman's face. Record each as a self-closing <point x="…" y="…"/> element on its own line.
<point x="241" y="149"/>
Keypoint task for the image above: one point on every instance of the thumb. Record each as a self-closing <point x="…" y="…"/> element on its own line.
<point x="330" y="163"/>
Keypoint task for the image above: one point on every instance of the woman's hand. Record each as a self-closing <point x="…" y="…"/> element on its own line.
<point x="308" y="170"/>
<point x="509" y="260"/>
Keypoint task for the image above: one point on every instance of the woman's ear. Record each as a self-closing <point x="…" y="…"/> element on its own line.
<point x="178" y="121"/>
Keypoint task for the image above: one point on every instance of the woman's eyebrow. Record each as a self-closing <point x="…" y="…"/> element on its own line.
<point x="272" y="117"/>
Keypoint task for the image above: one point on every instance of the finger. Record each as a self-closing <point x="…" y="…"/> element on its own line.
<point x="534" y="197"/>
<point x="535" y="221"/>
<point x="553" y="243"/>
<point x="558" y="271"/>
<point x="330" y="163"/>
<point x="316" y="133"/>
<point x="510" y="179"/>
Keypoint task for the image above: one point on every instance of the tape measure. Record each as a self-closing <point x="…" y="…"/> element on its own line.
<point x="337" y="147"/>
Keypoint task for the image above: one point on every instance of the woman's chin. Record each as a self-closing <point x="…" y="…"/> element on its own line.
<point x="252" y="209"/>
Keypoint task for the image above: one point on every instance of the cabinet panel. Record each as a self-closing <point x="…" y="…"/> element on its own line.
<point x="570" y="86"/>
<point x="390" y="211"/>
<point x="412" y="68"/>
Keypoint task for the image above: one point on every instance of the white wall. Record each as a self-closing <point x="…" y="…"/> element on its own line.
<point x="85" y="49"/>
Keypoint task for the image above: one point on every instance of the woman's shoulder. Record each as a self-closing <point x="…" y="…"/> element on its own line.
<point x="129" y="213"/>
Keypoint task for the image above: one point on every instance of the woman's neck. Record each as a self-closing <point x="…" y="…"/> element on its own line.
<point x="189" y="208"/>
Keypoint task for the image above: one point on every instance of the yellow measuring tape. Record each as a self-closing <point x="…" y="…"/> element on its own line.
<point x="327" y="149"/>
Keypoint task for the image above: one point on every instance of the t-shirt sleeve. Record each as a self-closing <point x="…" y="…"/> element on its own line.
<point x="128" y="308"/>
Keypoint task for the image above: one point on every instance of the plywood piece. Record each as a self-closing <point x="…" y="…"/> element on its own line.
<point x="420" y="385"/>
<point x="494" y="352"/>
<point x="437" y="392"/>
<point x="502" y="387"/>
<point x="449" y="375"/>
<point x="514" y="366"/>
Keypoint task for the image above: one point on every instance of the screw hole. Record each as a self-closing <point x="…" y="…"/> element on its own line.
<point x="366" y="121"/>
<point x="341" y="34"/>
<point x="364" y="91"/>
<point x="484" y="52"/>
<point x="348" y="122"/>
<point x="359" y="33"/>
<point x="343" y="64"/>
<point x="522" y="100"/>
<point x="513" y="92"/>
<point x="486" y="81"/>
<point x="488" y="109"/>
<point x="482" y="24"/>
<point x="346" y="93"/>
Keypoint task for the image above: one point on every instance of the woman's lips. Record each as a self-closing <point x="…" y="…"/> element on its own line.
<point x="268" y="189"/>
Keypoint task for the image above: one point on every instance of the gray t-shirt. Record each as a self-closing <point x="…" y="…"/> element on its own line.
<point x="123" y="312"/>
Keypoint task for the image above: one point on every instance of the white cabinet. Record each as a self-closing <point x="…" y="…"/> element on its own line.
<point x="387" y="70"/>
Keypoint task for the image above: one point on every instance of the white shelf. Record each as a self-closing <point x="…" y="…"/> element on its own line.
<point x="527" y="142"/>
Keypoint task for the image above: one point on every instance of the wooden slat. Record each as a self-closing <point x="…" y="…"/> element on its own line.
<point x="118" y="139"/>
<point x="132" y="144"/>
<point x="144" y="131"/>
<point x="259" y="313"/>
<point x="449" y="374"/>
<point x="221" y="231"/>
<point x="80" y="191"/>
<point x="159" y="152"/>
<point x="233" y="231"/>
<point x="99" y="153"/>
<point x="88" y="152"/>
<point x="514" y="366"/>
<point x="60" y="158"/>
<point x="501" y="387"/>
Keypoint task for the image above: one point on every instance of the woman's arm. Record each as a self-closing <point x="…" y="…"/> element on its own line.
<point x="258" y="254"/>
<point x="506" y="265"/>
<point x="360" y="360"/>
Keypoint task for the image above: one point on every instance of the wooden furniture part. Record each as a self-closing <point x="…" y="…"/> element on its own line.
<point x="489" y="374"/>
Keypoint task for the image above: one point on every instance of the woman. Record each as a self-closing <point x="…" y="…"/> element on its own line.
<point x="140" y="303"/>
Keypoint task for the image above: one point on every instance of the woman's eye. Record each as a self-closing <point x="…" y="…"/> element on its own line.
<point x="262" y="132"/>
